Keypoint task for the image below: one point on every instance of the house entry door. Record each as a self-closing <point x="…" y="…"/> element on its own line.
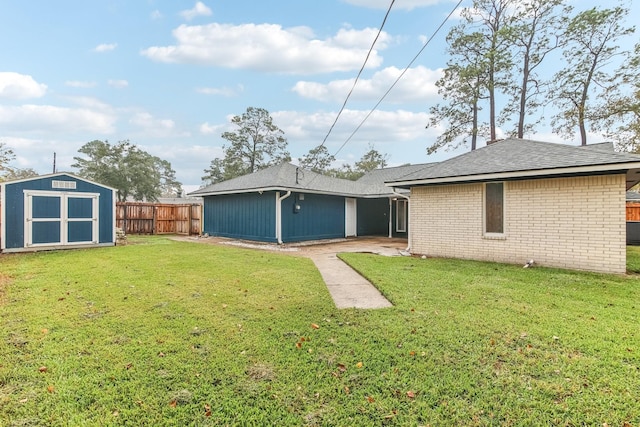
<point x="351" y="218"/>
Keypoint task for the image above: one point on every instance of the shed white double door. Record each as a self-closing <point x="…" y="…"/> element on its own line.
<point x="60" y="218"/>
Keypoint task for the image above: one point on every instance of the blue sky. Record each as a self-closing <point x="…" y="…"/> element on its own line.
<point x="169" y="74"/>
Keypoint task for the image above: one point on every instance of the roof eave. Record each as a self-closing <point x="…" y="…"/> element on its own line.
<point x="266" y="189"/>
<point x="201" y="193"/>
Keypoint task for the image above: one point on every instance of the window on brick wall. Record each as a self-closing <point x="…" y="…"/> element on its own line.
<point x="494" y="208"/>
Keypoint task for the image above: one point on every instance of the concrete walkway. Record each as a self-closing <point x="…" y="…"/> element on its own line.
<point x="347" y="288"/>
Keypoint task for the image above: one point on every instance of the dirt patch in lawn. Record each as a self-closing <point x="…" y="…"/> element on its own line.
<point x="4" y="284"/>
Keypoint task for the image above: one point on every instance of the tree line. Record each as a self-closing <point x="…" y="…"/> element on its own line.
<point x="258" y="143"/>
<point x="499" y="55"/>
<point x="135" y="173"/>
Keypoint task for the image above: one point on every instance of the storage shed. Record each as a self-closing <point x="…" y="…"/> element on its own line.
<point x="57" y="211"/>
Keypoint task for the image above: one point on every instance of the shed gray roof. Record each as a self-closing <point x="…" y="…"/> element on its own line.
<point x="55" y="175"/>
<point x="521" y="158"/>
<point x="288" y="177"/>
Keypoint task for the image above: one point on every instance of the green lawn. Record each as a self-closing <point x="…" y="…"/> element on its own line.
<point x="174" y="333"/>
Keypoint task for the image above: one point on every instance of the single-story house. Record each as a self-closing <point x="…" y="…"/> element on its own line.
<point x="517" y="200"/>
<point x="57" y="211"/>
<point x="285" y="203"/>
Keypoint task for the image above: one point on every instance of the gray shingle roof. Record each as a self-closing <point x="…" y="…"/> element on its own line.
<point x="515" y="157"/>
<point x="511" y="157"/>
<point x="285" y="177"/>
<point x="391" y="174"/>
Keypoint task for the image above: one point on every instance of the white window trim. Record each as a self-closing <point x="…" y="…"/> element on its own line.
<point x="404" y="215"/>
<point x="485" y="233"/>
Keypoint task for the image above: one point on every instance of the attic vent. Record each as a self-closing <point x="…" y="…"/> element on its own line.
<point x="70" y="185"/>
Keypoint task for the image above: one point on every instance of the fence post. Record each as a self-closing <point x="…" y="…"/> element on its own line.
<point x="125" y="227"/>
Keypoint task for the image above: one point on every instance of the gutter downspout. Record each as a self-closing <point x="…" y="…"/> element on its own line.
<point x="279" y="214"/>
<point x="408" y="218"/>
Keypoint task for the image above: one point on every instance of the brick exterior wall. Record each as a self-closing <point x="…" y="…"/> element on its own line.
<point x="576" y="223"/>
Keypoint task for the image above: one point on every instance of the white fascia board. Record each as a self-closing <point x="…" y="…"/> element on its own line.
<point x="540" y="173"/>
<point x="244" y="190"/>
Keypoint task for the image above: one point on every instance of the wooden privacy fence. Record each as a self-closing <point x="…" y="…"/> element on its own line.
<point x="156" y="218"/>
<point x="633" y="211"/>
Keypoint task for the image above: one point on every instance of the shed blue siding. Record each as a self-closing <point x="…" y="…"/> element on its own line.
<point x="250" y="216"/>
<point x="49" y="207"/>
<point x="373" y="217"/>
<point x="319" y="217"/>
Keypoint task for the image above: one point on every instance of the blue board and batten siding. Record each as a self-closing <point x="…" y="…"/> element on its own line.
<point x="308" y="216"/>
<point x="56" y="211"/>
<point x="252" y="216"/>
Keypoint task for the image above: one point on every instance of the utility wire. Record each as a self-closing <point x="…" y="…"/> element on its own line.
<point x="359" y="73"/>
<point x="397" y="79"/>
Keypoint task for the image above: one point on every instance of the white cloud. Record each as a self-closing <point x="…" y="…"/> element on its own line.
<point x="225" y="91"/>
<point x="118" y="84"/>
<point x="270" y="48"/>
<point x="399" y="4"/>
<point x="209" y="129"/>
<point x="387" y="127"/>
<point x="399" y="133"/>
<point x="150" y="126"/>
<point x="416" y="85"/>
<point x="48" y="118"/>
<point x="91" y="103"/>
<point x="80" y="84"/>
<point x="20" y="86"/>
<point x="200" y="9"/>
<point x="156" y="14"/>
<point x="146" y="120"/>
<point x="189" y="159"/>
<point x="105" y="47"/>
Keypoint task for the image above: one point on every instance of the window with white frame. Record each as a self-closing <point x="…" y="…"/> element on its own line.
<point x="401" y="215"/>
<point x="494" y="208"/>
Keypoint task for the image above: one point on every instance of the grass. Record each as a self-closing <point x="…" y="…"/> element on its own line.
<point x="174" y="333"/>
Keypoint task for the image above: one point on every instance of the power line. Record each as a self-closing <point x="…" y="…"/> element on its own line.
<point x="397" y="79"/>
<point x="359" y="72"/>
